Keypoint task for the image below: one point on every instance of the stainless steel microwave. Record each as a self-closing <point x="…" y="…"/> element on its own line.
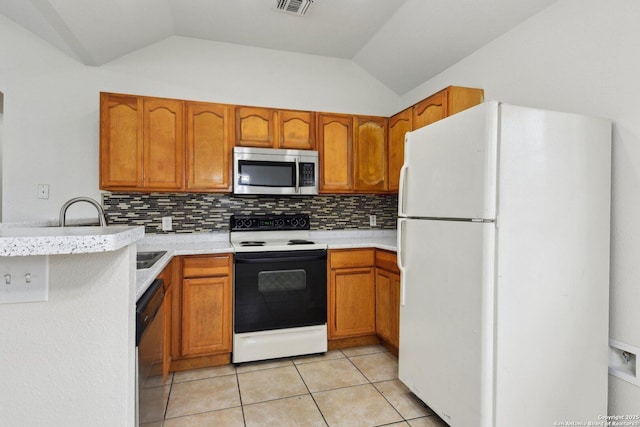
<point x="275" y="171"/>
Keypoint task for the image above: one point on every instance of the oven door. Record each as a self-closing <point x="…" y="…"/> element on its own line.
<point x="282" y="289"/>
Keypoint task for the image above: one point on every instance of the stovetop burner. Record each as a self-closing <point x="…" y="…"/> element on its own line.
<point x="300" y="242"/>
<point x="252" y="243"/>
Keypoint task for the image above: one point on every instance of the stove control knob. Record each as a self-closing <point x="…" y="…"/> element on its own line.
<point x="245" y="223"/>
<point x="294" y="222"/>
<point x="302" y="222"/>
<point x="280" y="222"/>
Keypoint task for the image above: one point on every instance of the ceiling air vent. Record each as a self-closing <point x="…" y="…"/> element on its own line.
<point x="294" y="7"/>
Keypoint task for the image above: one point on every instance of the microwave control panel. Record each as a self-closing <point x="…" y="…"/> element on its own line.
<point x="307" y="175"/>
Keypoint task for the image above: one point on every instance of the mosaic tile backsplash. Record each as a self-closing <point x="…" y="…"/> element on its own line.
<point x="197" y="213"/>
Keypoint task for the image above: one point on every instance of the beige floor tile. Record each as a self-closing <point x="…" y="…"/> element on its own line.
<point x="329" y="355"/>
<point x="264" y="364"/>
<point x="402" y="399"/>
<point x="154" y="400"/>
<point x="205" y="395"/>
<point x="270" y="384"/>
<point x="156" y="381"/>
<point x="154" y="424"/>
<point x="432" y="421"/>
<point x="231" y="417"/>
<point x="356" y="406"/>
<point x="378" y="366"/>
<point x="199" y="374"/>
<point x="366" y="349"/>
<point x="402" y="424"/>
<point x="330" y="374"/>
<point x="290" y="412"/>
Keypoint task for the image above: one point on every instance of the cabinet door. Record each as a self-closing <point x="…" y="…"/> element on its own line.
<point x="352" y="304"/>
<point x="255" y="127"/>
<point x="335" y="136"/>
<point x="399" y="125"/>
<point x="296" y="130"/>
<point x="388" y="306"/>
<point x="430" y="110"/>
<point x="370" y="154"/>
<point x="121" y="142"/>
<point x="208" y="147"/>
<point x="163" y="144"/>
<point x="206" y="316"/>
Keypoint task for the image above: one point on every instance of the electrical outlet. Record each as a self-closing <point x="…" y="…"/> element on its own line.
<point x="43" y="191"/>
<point x="372" y="220"/>
<point x="167" y="223"/>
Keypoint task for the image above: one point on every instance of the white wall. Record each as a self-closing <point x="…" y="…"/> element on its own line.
<point x="579" y="56"/>
<point x="51" y="133"/>
<point x="70" y="361"/>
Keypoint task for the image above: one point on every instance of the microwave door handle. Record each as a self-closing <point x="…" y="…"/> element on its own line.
<point x="297" y="175"/>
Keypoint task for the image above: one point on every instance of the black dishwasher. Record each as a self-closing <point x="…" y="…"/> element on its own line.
<point x="150" y="405"/>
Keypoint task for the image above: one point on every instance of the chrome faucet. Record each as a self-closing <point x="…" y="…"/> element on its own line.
<point x="63" y="210"/>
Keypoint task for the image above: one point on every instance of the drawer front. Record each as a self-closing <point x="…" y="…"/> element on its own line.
<point x="351" y="258"/>
<point x="387" y="261"/>
<point x="206" y="266"/>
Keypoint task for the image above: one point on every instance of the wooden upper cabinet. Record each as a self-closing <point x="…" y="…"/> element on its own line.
<point x="399" y="125"/>
<point x="430" y="110"/>
<point x="163" y="137"/>
<point x="296" y="130"/>
<point x="370" y="154"/>
<point x="335" y="136"/>
<point x="448" y="101"/>
<point x="141" y="143"/>
<point x="209" y="144"/>
<point x="255" y="127"/>
<point x="120" y="141"/>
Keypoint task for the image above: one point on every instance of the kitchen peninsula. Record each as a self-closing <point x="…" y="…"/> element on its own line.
<point x="79" y="341"/>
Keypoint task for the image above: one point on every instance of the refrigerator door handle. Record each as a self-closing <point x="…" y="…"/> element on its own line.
<point x="402" y="185"/>
<point x="400" y="258"/>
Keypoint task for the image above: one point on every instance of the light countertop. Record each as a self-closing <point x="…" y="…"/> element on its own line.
<point x="24" y="241"/>
<point x="212" y="243"/>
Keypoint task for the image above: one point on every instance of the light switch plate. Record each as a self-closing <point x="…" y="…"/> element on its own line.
<point x="24" y="279"/>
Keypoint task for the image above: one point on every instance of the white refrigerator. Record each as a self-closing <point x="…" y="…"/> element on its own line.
<point x="503" y="249"/>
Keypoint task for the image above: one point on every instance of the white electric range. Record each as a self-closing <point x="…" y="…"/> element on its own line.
<point x="280" y="288"/>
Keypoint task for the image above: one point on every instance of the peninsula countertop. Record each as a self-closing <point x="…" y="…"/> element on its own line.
<point x="26" y="241"/>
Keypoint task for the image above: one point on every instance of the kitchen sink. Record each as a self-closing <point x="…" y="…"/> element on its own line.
<point x="147" y="259"/>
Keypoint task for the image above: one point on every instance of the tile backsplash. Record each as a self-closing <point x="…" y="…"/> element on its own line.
<point x="196" y="213"/>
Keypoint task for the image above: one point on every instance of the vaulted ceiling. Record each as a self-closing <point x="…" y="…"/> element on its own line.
<point x="402" y="43"/>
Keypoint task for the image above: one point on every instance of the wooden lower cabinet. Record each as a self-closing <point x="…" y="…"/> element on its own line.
<point x="351" y="294"/>
<point x="388" y="299"/>
<point x="202" y="317"/>
<point x="206" y="325"/>
<point x="168" y="276"/>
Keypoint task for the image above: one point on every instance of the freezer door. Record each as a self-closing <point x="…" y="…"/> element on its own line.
<point x="446" y="317"/>
<point x="450" y="167"/>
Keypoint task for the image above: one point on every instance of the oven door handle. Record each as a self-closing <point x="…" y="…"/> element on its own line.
<point x="240" y="260"/>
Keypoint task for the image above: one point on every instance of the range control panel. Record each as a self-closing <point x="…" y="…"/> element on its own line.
<point x="269" y="222"/>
